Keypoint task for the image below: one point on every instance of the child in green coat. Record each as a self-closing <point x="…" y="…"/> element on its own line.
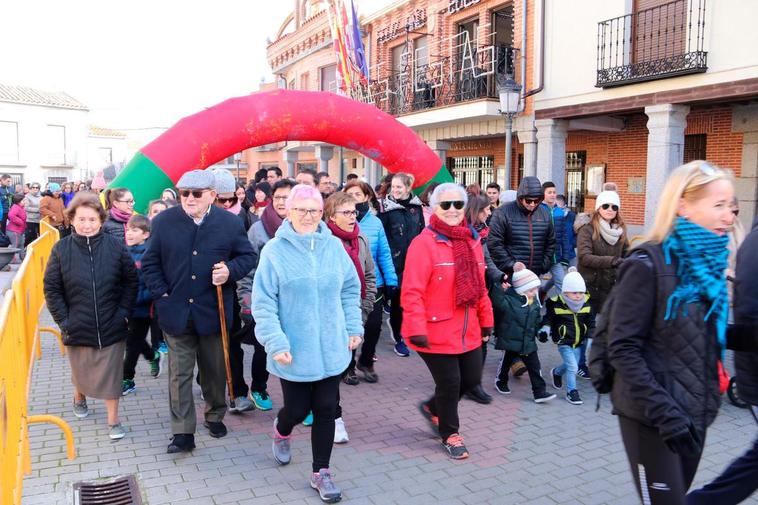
<point x="517" y="319"/>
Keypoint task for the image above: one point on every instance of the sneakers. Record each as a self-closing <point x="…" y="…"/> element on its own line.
<point x="80" y="409"/>
<point x="155" y="366"/>
<point x="181" y="443"/>
<point x="242" y="404"/>
<point x="308" y="421"/>
<point x="584" y="372"/>
<point x="402" y="350"/>
<point x="502" y="387"/>
<point x="327" y="490"/>
<point x="369" y="375"/>
<point x="557" y="379"/>
<point x="340" y="432"/>
<point x="116" y="431"/>
<point x="573" y="397"/>
<point x="455" y="447"/>
<point x="262" y="400"/>
<point x="434" y="421"/>
<point x="350" y="378"/>
<point x="163" y="348"/>
<point x="216" y="429"/>
<point x="479" y="395"/>
<point x="543" y="397"/>
<point x="281" y="447"/>
<point x="127" y="386"/>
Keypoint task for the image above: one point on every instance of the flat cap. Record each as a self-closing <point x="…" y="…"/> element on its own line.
<point x="196" y="179"/>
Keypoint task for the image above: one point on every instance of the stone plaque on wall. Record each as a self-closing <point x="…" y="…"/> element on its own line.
<point x="636" y="185"/>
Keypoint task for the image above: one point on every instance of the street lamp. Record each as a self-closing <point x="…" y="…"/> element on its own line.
<point x="510" y="98"/>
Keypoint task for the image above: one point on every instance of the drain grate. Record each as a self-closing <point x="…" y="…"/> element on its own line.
<point x="118" y="491"/>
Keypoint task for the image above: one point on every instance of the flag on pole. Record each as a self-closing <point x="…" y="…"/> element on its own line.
<point x="352" y="68"/>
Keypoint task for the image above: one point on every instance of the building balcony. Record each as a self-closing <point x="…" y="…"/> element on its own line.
<point x="443" y="82"/>
<point x="656" y="43"/>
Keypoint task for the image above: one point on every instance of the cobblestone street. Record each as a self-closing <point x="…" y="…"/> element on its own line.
<point x="521" y="452"/>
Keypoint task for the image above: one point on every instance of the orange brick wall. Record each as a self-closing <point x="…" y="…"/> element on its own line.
<point x="723" y="147"/>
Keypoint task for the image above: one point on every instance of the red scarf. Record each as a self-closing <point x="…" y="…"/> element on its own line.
<point x="271" y="221"/>
<point x="352" y="246"/>
<point x="469" y="286"/>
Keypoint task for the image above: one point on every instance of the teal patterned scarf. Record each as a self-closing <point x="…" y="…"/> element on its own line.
<point x="702" y="257"/>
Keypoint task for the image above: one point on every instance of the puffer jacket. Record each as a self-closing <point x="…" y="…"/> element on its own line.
<point x="666" y="372"/>
<point x="564" y="251"/>
<point x="90" y="288"/>
<point x="31" y="205"/>
<point x="746" y="316"/>
<point x="518" y="235"/>
<point x="401" y="224"/>
<point x="596" y="258"/>
<point x="144" y="299"/>
<point x="516" y="324"/>
<point x="115" y="228"/>
<point x="566" y="326"/>
<point x="428" y="297"/>
<point x="372" y="228"/>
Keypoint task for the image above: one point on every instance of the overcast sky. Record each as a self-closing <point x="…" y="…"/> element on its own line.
<point x="141" y="63"/>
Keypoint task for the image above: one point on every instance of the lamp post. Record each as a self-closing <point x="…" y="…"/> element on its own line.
<point x="510" y="97"/>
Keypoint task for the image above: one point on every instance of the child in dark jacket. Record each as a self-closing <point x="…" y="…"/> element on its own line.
<point x="137" y="233"/>
<point x="517" y="319"/>
<point x="570" y="320"/>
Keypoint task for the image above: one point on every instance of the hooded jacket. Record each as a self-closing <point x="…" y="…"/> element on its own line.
<point x="566" y="326"/>
<point x="372" y="228"/>
<point x="519" y="235"/>
<point x="306" y="300"/>
<point x="516" y="323"/>
<point x="401" y="224"/>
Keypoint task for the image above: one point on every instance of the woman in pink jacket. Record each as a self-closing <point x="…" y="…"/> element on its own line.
<point x="447" y="313"/>
<point x="16" y="226"/>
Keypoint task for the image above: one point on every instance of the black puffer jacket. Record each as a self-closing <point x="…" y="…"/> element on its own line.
<point x="90" y="288"/>
<point x="518" y="235"/>
<point x="402" y="223"/>
<point x="746" y="317"/>
<point x="115" y="228"/>
<point x="665" y="371"/>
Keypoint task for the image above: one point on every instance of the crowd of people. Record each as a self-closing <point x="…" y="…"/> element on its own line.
<point x="304" y="271"/>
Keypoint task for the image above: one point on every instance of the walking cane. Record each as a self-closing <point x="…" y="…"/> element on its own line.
<point x="225" y="344"/>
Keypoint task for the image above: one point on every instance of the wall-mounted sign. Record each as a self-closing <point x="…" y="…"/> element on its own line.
<point x="471" y="145"/>
<point x="414" y="21"/>
<point x="454" y="6"/>
<point x="635" y="185"/>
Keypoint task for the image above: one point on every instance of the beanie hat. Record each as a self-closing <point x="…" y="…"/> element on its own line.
<point x="53" y="187"/>
<point x="573" y="282"/>
<point x="610" y="197"/>
<point x="223" y="181"/>
<point x="523" y="279"/>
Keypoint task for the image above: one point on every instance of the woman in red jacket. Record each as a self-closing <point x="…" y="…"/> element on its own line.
<point x="447" y="312"/>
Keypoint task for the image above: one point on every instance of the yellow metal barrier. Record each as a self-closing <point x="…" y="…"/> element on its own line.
<point x="19" y="349"/>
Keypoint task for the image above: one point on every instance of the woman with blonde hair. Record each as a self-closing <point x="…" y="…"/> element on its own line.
<point x="667" y="332"/>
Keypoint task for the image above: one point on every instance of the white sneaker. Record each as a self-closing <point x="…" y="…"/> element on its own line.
<point x="340" y="432"/>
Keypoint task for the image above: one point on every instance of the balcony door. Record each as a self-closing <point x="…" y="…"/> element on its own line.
<point x="659" y="29"/>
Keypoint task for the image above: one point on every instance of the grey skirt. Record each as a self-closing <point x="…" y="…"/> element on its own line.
<point x="97" y="373"/>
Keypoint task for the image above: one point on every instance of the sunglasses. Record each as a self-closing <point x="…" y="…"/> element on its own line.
<point x="532" y="201"/>
<point x="197" y="193"/>
<point x="458" y="204"/>
<point x="35" y="187"/>
<point x="222" y="200"/>
<point x="607" y="206"/>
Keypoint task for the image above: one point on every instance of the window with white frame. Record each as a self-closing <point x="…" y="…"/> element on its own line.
<point x="55" y="145"/>
<point x="8" y="142"/>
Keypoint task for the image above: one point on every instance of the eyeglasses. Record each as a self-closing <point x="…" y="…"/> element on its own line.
<point x="128" y="202"/>
<point x="35" y="187"/>
<point x="607" y="206"/>
<point x="281" y="198"/>
<point x="458" y="204"/>
<point x="197" y="193"/>
<point x="312" y="212"/>
<point x="532" y="201"/>
<point x="347" y="213"/>
<point x="222" y="200"/>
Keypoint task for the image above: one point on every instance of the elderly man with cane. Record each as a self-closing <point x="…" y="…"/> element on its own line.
<point x="194" y="248"/>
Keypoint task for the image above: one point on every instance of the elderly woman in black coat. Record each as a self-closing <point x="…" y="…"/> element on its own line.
<point x="90" y="287"/>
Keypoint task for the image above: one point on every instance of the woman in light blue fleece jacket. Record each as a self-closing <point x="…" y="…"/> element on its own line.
<point x="306" y="302"/>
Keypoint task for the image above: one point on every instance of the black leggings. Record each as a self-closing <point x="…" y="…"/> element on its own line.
<point x="258" y="370"/>
<point x="371" y="331"/>
<point x="396" y="316"/>
<point x="156" y="334"/>
<point x="661" y="476"/>
<point x="136" y="344"/>
<point x="453" y="375"/>
<point x="319" y="397"/>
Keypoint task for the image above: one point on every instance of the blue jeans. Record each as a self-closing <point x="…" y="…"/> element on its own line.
<point x="570" y="365"/>
<point x="557" y="273"/>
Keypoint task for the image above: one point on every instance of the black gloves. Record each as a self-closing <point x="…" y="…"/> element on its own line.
<point x="420" y="341"/>
<point x="685" y="442"/>
<point x="542" y="336"/>
<point x="617" y="262"/>
<point x="389" y="292"/>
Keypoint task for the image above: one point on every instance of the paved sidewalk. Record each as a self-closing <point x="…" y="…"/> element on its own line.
<point x="521" y="452"/>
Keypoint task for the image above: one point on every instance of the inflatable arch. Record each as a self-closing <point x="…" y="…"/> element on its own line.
<point x="218" y="132"/>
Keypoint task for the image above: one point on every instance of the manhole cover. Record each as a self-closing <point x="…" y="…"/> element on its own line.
<point x="118" y="491"/>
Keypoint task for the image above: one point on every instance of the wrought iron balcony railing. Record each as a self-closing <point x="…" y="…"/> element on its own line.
<point x="444" y="81"/>
<point x="656" y="43"/>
